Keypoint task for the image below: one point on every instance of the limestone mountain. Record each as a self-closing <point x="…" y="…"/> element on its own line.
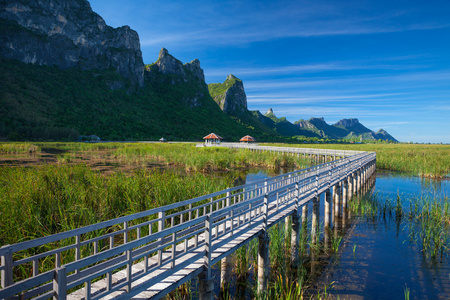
<point x="352" y="125"/>
<point x="281" y="125"/>
<point x="382" y="134"/>
<point x="231" y="98"/>
<point x="230" y="95"/>
<point x="64" y="72"/>
<point x="168" y="70"/>
<point x="68" y="34"/>
<point x="343" y="129"/>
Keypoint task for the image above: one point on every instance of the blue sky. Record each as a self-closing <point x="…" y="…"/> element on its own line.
<point x="386" y="63"/>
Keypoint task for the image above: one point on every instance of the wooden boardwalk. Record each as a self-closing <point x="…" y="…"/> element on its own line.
<point x="148" y="254"/>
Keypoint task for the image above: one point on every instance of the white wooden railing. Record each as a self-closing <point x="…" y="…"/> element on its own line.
<point x="167" y="238"/>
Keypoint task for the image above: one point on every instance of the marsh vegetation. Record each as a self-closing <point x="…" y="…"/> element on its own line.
<point x="52" y="187"/>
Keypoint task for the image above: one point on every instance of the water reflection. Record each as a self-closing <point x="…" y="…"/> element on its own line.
<point x="392" y="184"/>
<point x="377" y="257"/>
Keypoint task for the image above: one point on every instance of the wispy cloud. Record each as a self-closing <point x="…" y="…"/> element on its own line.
<point x="350" y="99"/>
<point x="241" y="23"/>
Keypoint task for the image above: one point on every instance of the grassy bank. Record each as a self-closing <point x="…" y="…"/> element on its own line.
<point x="18" y="148"/>
<point x="206" y="158"/>
<point x="185" y="155"/>
<point x="52" y="198"/>
<point x="420" y="160"/>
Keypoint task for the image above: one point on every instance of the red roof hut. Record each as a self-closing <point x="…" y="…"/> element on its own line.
<point x="247" y="139"/>
<point x="212" y="138"/>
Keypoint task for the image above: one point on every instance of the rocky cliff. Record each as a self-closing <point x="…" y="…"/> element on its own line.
<point x="230" y="95"/>
<point x="281" y="125"/>
<point x="343" y="129"/>
<point x="352" y="125"/>
<point x="67" y="34"/>
<point x="168" y="70"/>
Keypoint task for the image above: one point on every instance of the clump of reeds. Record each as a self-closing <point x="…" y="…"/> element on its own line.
<point x="421" y="160"/>
<point x="48" y="199"/>
<point x="18" y="148"/>
<point x="372" y="206"/>
<point x="427" y="219"/>
<point x="429" y="224"/>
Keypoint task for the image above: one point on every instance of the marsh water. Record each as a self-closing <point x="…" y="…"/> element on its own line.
<point x="377" y="258"/>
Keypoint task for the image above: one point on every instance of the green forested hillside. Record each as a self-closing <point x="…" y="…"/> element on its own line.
<point x="47" y="103"/>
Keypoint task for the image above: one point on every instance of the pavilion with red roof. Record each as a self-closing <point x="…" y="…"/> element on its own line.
<point x="247" y="139"/>
<point x="212" y="138"/>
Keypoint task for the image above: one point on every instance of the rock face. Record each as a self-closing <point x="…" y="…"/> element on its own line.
<point x="384" y="135"/>
<point x="169" y="70"/>
<point x="352" y="125"/>
<point x="344" y="129"/>
<point x="169" y="65"/>
<point x="230" y="95"/>
<point x="67" y="34"/>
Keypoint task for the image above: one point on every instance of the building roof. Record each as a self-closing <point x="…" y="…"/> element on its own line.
<point x="247" y="138"/>
<point x="212" y="136"/>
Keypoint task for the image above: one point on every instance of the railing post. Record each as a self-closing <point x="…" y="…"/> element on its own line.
<point x="7" y="264"/>
<point x="226" y="263"/>
<point x="161" y="224"/>
<point x="206" y="284"/>
<point x="60" y="284"/>
<point x="263" y="252"/>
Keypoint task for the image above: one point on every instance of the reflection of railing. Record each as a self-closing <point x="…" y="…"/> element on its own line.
<point x="155" y="251"/>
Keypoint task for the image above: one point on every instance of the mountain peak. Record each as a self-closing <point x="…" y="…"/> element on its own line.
<point x="230" y="95"/>
<point x="68" y="34"/>
<point x="269" y="112"/>
<point x="233" y="78"/>
<point x="320" y="120"/>
<point x="348" y="122"/>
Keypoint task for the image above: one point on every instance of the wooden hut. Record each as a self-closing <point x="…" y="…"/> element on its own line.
<point x="212" y="138"/>
<point x="247" y="139"/>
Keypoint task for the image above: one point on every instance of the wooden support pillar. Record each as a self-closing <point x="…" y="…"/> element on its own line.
<point x="333" y="196"/>
<point x="344" y="194"/>
<point x="350" y="187"/>
<point x="205" y="287"/>
<point x="355" y="183"/>
<point x="286" y="225"/>
<point x="295" y="236"/>
<point x="226" y="267"/>
<point x="315" y="219"/>
<point x="337" y="200"/>
<point x="263" y="262"/>
<point x="327" y="209"/>
<point x="304" y="226"/>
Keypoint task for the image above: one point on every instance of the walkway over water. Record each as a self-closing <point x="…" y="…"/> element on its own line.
<point x="148" y="254"/>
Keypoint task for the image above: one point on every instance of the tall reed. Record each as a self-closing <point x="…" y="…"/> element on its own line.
<point x="18" y="148"/>
<point x="421" y="160"/>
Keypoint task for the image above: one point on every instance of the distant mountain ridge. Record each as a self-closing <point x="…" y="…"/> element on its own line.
<point x="343" y="129"/>
<point x="65" y="73"/>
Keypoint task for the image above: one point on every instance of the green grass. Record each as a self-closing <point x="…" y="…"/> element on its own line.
<point x="420" y="160"/>
<point x="18" y="148"/>
<point x="207" y="158"/>
<point x="48" y="199"/>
